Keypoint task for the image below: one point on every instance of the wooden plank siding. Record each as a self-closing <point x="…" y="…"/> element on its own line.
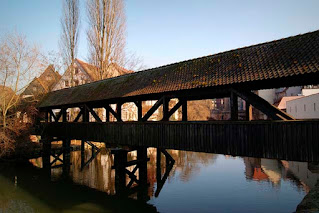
<point x="285" y="140"/>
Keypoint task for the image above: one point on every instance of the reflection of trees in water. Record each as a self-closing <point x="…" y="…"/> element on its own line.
<point x="190" y="163"/>
<point x="97" y="174"/>
<point x="186" y="164"/>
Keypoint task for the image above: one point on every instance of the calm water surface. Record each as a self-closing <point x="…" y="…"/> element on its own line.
<point x="197" y="182"/>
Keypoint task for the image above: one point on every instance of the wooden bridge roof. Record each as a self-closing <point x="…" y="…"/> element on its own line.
<point x="286" y="62"/>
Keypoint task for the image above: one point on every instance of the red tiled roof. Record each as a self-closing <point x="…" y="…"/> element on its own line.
<point x="91" y="70"/>
<point x="279" y="60"/>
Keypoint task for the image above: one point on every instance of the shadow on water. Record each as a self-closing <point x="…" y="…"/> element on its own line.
<point x="96" y="180"/>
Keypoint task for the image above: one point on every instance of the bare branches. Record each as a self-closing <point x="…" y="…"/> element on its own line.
<point x="106" y="34"/>
<point x="70" y="23"/>
<point x="18" y="63"/>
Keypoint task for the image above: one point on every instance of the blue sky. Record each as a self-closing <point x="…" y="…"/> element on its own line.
<point x="168" y="31"/>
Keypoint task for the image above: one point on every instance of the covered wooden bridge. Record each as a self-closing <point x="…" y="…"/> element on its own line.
<point x="292" y="61"/>
<point x="287" y="62"/>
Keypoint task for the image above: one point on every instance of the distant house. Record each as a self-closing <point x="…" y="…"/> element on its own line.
<point x="42" y="84"/>
<point x="86" y="73"/>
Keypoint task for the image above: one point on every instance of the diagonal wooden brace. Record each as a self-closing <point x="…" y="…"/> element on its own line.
<point x="263" y="105"/>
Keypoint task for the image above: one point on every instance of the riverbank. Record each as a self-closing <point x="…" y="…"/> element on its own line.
<point x="310" y="203"/>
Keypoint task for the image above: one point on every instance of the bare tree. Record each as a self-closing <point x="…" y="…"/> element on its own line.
<point x="18" y="65"/>
<point x="106" y="34"/>
<point x="70" y="23"/>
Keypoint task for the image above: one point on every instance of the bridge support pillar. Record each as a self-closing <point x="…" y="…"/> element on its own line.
<point x="66" y="157"/>
<point x="120" y="161"/>
<point x="142" y="164"/>
<point x="46" y="153"/>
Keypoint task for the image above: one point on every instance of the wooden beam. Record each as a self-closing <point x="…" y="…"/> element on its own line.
<point x="86" y="114"/>
<point x="153" y="109"/>
<point x="165" y="109"/>
<point x="52" y="115"/>
<point x="139" y="110"/>
<point x="93" y="113"/>
<point x="184" y="110"/>
<point x="64" y="115"/>
<point x="263" y="105"/>
<point x="119" y="111"/>
<point x="109" y="109"/>
<point x="78" y="116"/>
<point x="107" y="114"/>
<point x="175" y="108"/>
<point x="233" y="106"/>
<point x="249" y="111"/>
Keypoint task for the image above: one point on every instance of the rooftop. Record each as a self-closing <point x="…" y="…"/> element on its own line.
<point x="286" y="62"/>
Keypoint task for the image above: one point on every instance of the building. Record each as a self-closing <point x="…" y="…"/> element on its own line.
<point x="283" y="102"/>
<point x="42" y="84"/>
<point x="305" y="107"/>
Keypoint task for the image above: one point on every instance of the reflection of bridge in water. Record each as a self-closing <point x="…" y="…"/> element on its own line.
<point x="68" y="182"/>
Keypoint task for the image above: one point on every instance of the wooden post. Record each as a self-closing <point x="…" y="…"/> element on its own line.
<point x="86" y="114"/>
<point x="249" y="111"/>
<point x="233" y="106"/>
<point x="142" y="165"/>
<point x="184" y="110"/>
<point x="139" y="110"/>
<point x="119" y="111"/>
<point x="66" y="158"/>
<point x="107" y="114"/>
<point x="64" y="115"/>
<point x="120" y="160"/>
<point x="165" y="109"/>
<point x="46" y="116"/>
<point x="46" y="153"/>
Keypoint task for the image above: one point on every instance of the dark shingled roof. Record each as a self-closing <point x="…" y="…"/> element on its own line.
<point x="293" y="56"/>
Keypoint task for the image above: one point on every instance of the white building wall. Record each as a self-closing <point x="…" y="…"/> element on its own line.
<point x="304" y="108"/>
<point x="306" y="92"/>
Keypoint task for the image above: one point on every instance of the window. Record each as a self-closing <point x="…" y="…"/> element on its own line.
<point x="48" y="78"/>
<point x="314" y="106"/>
<point x="76" y="71"/>
<point x="296" y="108"/>
<point x="76" y="82"/>
<point x="304" y="107"/>
<point x="67" y="83"/>
<point x="290" y="109"/>
<point x="34" y="89"/>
